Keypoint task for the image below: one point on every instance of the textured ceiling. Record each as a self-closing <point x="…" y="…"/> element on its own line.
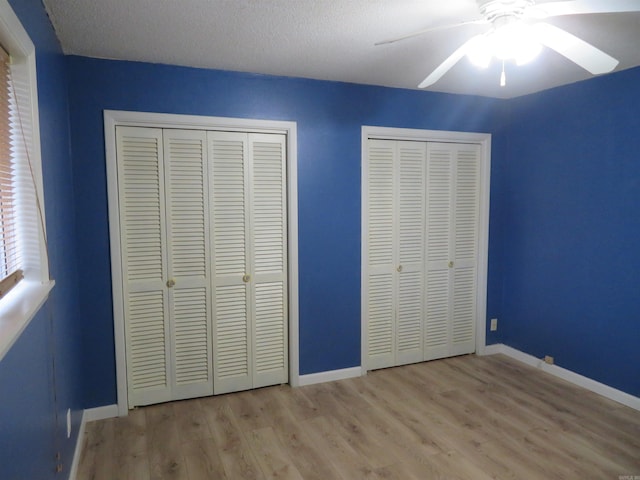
<point x="325" y="39"/>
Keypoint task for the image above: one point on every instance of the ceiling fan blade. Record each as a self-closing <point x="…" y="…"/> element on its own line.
<point x="430" y="29"/>
<point x="580" y="7"/>
<point x="445" y="66"/>
<point x="575" y="49"/>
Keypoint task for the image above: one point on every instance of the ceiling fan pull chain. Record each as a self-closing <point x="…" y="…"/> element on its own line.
<point x="503" y="77"/>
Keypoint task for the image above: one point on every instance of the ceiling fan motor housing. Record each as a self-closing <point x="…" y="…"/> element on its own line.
<point x="493" y="10"/>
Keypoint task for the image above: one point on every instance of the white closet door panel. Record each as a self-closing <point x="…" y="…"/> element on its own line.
<point x="187" y="203"/>
<point x="409" y="321"/>
<point x="232" y="367"/>
<point x="410" y="217"/>
<point x="227" y="153"/>
<point x="139" y="159"/>
<point x="439" y="204"/>
<point x="467" y="201"/>
<point x="186" y="180"/>
<point x="380" y="313"/>
<point x="192" y="352"/>
<point x="437" y="325"/>
<point x="268" y="203"/>
<point x="147" y="345"/>
<point x="142" y="214"/>
<point x="380" y="221"/>
<point x="271" y="344"/>
<point x="268" y="263"/>
<point x="464" y="311"/>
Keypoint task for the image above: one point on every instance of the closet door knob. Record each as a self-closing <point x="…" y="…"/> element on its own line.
<point x="399" y="269"/>
<point x="246" y="278"/>
<point x="450" y="264"/>
<point x="171" y="282"/>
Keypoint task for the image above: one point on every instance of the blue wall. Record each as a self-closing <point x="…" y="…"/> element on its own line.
<point x="572" y="228"/>
<point x="40" y="376"/>
<point x="329" y="118"/>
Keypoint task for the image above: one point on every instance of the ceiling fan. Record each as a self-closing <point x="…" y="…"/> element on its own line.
<point x="517" y="33"/>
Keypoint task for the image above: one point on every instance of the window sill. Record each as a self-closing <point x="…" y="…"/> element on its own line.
<point x="18" y="308"/>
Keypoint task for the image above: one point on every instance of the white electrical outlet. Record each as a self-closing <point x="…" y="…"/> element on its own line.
<point x="68" y="422"/>
<point x="494" y="324"/>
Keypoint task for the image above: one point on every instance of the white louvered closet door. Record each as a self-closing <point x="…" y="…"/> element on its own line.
<point x="451" y="249"/>
<point x="394" y="243"/>
<point x="465" y="248"/>
<point x="379" y="289"/>
<point x="144" y="263"/>
<point x="250" y="260"/>
<point x="165" y="261"/>
<point x="268" y="261"/>
<point x="410" y="216"/>
<point x="187" y="213"/>
<point x="229" y="207"/>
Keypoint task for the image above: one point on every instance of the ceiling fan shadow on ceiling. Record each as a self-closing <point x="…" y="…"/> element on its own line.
<point x="517" y="33"/>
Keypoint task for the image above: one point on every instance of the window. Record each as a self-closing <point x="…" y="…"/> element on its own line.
<point x="10" y="271"/>
<point x="23" y="257"/>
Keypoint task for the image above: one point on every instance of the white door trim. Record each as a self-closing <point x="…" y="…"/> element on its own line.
<point x="112" y="118"/>
<point x="484" y="140"/>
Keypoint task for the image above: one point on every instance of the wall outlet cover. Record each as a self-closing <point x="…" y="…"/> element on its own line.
<point x="494" y="324"/>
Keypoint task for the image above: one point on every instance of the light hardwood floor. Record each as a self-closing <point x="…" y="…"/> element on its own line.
<point x="461" y="418"/>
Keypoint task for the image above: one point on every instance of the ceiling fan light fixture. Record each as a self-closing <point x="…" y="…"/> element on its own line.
<point x="480" y="52"/>
<point x="528" y="53"/>
<point x="514" y="40"/>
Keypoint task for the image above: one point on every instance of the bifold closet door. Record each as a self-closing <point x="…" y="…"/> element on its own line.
<point x="164" y="229"/>
<point x="452" y="248"/>
<point x="249" y="241"/>
<point x="394" y="245"/>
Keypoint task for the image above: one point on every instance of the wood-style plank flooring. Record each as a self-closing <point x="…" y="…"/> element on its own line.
<point x="461" y="418"/>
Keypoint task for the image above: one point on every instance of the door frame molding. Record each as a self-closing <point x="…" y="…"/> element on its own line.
<point x="113" y="118"/>
<point x="484" y="140"/>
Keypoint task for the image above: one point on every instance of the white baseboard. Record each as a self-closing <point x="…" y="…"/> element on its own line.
<point x="89" y="415"/>
<point x="492" y="349"/>
<point x="329" y="376"/>
<point x="568" y="375"/>
<point x="78" y="450"/>
<point x="101" y="413"/>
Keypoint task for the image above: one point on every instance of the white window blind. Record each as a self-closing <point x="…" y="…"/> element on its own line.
<point x="10" y="258"/>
